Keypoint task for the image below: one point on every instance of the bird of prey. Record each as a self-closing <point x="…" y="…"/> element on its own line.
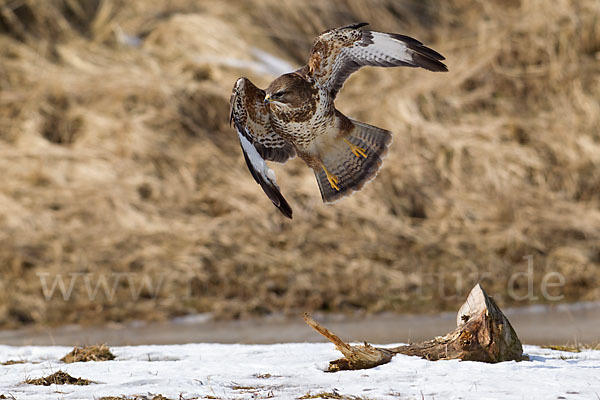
<point x="296" y="115"/>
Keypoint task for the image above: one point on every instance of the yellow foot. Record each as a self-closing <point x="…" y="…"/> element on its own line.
<point x="358" y="151"/>
<point x="333" y="179"/>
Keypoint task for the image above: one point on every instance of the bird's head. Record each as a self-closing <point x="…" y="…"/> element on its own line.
<point x="289" y="90"/>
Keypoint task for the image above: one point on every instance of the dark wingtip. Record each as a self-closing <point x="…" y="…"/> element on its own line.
<point x="355" y="26"/>
<point x="270" y="189"/>
<point x="416" y="45"/>
<point x="428" y="63"/>
<point x="284" y="208"/>
<point x="276" y="198"/>
<point x="431" y="53"/>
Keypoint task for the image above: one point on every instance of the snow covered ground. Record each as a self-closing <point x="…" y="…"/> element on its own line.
<point x="290" y="371"/>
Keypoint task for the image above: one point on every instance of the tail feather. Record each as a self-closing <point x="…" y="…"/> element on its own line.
<point x="353" y="171"/>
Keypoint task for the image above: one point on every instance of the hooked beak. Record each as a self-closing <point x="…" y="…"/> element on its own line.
<point x="267" y="99"/>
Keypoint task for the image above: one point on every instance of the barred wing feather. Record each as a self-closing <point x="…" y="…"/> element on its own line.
<point x="339" y="52"/>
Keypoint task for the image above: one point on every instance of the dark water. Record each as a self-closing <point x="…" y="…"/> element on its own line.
<point x="572" y="323"/>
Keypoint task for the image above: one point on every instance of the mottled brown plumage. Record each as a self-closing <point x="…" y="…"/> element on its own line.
<point x="296" y="113"/>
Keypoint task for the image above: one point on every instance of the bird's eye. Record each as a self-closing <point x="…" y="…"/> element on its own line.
<point x="280" y="93"/>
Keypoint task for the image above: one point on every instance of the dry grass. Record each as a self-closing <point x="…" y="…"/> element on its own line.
<point x="331" y="395"/>
<point x="59" y="378"/>
<point x="263" y="376"/>
<point x="569" y="348"/>
<point x="157" y="397"/>
<point x="88" y="353"/>
<point x="116" y="157"/>
<point x="13" y="362"/>
<point x="573" y="348"/>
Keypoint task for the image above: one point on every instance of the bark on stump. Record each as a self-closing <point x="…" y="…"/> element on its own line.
<point x="483" y="333"/>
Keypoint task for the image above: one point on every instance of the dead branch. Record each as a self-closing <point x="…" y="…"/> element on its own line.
<point x="483" y="333"/>
<point x="355" y="357"/>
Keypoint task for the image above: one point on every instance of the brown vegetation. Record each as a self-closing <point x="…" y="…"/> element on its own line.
<point x="331" y="395"/>
<point x="116" y="157"/>
<point x="13" y="362"/>
<point x="576" y="348"/>
<point x="88" y="353"/>
<point x="141" y="397"/>
<point x="59" y="378"/>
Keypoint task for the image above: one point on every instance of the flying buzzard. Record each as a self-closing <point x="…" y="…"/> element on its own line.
<point x="295" y="115"/>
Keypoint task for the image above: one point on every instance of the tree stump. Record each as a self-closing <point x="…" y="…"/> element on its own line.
<point x="483" y="333"/>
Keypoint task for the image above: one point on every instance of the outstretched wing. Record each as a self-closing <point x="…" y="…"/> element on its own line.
<point x="259" y="142"/>
<point x="337" y="53"/>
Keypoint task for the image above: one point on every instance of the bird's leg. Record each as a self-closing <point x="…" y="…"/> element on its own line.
<point x="333" y="179"/>
<point x="358" y="151"/>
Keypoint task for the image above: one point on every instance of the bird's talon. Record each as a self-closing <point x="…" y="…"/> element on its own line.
<point x="356" y="150"/>
<point x="359" y="151"/>
<point x="333" y="179"/>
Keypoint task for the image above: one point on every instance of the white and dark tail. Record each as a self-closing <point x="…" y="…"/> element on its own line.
<point x="353" y="171"/>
